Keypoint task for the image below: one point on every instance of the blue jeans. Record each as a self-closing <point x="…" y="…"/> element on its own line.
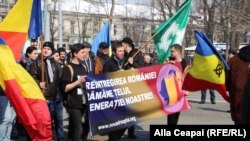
<point x="7" y="116"/>
<point x="56" y="113"/>
<point x="204" y="93"/>
<point x="59" y="118"/>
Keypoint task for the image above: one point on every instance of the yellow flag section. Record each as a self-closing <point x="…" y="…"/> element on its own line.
<point x="205" y="69"/>
<point x="15" y="26"/>
<point x="28" y="86"/>
<point x="25" y="96"/>
<point x="21" y="14"/>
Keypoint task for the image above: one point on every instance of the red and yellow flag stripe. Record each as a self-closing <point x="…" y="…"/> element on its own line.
<point x="25" y="96"/>
<point x="15" y="26"/>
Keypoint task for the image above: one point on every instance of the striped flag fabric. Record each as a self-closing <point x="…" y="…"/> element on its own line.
<point x="170" y="90"/>
<point x="25" y="96"/>
<point x="208" y="69"/>
<point x="22" y="22"/>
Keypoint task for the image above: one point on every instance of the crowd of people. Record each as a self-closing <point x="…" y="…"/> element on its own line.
<point x="62" y="84"/>
<point x="64" y="76"/>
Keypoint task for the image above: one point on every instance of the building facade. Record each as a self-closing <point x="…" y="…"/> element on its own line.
<point x="135" y="21"/>
<point x="84" y="26"/>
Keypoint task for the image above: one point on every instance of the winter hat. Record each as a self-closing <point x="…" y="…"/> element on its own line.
<point x="103" y="45"/>
<point x="128" y="41"/>
<point x="50" y="45"/>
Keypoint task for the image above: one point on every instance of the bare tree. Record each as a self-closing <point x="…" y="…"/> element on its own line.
<point x="53" y="18"/>
<point x="152" y="2"/>
<point x="112" y="11"/>
<point x="162" y="8"/>
<point x="167" y="7"/>
<point x="239" y="22"/>
<point x="77" y="7"/>
<point x="233" y="21"/>
<point x="84" y="28"/>
<point x="209" y="10"/>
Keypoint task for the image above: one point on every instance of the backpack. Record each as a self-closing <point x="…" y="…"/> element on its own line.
<point x="71" y="71"/>
<point x="65" y="95"/>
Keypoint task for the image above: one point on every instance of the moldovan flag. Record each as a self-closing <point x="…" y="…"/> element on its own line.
<point x="208" y="70"/>
<point x="22" y="22"/>
<point x="25" y="96"/>
<point x="171" y="32"/>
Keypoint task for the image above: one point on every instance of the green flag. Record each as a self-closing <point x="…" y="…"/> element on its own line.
<point x="171" y="32"/>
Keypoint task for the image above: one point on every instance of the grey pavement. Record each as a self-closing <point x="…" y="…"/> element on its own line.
<point x="205" y="114"/>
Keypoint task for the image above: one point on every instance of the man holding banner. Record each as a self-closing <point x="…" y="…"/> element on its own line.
<point x="168" y="37"/>
<point x="115" y="63"/>
<point x="135" y="60"/>
<point x="120" y="99"/>
<point x="177" y="60"/>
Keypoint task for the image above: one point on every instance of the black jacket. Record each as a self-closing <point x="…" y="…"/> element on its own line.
<point x="73" y="99"/>
<point x="104" y="58"/>
<point x="2" y="92"/>
<point x="51" y="87"/>
<point x="138" y="59"/>
<point x="113" y="65"/>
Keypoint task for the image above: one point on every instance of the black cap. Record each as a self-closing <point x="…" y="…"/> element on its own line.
<point x="56" y="51"/>
<point x="33" y="40"/>
<point x="50" y="45"/>
<point x="103" y="45"/>
<point x="128" y="41"/>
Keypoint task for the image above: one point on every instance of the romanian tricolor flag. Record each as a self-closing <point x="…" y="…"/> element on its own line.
<point x="170" y="90"/>
<point x="22" y="22"/>
<point x="208" y="70"/>
<point x="25" y="96"/>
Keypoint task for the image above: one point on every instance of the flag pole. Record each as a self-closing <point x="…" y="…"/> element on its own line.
<point x="152" y="36"/>
<point x="142" y="47"/>
<point x="110" y="47"/>
<point x="42" y="63"/>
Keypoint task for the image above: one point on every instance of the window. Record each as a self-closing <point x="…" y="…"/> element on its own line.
<point x="95" y="26"/>
<point x="143" y="28"/>
<point x="115" y="29"/>
<point x="63" y="46"/>
<point x="63" y="27"/>
<point x="72" y="27"/>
